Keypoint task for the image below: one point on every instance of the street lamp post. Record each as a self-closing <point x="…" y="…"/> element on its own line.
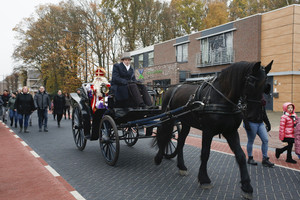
<point x="85" y="40"/>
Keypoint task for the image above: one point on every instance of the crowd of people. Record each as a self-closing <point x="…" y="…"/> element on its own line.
<point x="18" y="107"/>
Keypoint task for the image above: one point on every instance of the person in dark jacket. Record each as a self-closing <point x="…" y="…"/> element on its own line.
<point x="24" y="105"/>
<point x="67" y="106"/>
<point x="1" y="106"/>
<point x="5" y="98"/>
<point x="256" y="122"/>
<point x="42" y="104"/>
<point x="13" y="115"/>
<point x="59" y="104"/>
<point x="127" y="90"/>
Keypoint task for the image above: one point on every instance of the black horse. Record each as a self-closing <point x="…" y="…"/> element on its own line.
<point x="218" y="112"/>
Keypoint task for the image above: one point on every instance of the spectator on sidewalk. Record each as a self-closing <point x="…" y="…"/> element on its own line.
<point x="256" y="122"/>
<point x="13" y="115"/>
<point x="5" y="97"/>
<point x="24" y="105"/>
<point x="67" y="106"/>
<point x="59" y="104"/>
<point x="288" y="121"/>
<point x="1" y="106"/>
<point x="52" y="109"/>
<point x="42" y="104"/>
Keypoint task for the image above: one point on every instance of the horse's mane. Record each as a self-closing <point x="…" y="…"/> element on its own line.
<point x="232" y="78"/>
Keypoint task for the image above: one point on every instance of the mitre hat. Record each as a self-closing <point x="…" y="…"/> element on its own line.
<point x="100" y="71"/>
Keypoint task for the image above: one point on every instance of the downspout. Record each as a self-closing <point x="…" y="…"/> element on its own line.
<point x="293" y="43"/>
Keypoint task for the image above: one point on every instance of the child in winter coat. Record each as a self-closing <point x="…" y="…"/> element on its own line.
<point x="288" y="122"/>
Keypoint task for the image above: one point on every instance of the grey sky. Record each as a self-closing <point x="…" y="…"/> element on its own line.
<point x="11" y="13"/>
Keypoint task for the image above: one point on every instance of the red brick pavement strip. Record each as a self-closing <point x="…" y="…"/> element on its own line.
<point x="223" y="147"/>
<point x="24" y="175"/>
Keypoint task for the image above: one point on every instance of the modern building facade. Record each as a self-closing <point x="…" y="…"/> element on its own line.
<point x="262" y="37"/>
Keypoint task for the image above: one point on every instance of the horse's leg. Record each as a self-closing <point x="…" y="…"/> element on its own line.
<point x="234" y="143"/>
<point x="203" y="178"/>
<point x="163" y="136"/>
<point x="180" y="144"/>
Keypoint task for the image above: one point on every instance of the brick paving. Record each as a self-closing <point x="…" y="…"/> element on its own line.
<point x="135" y="176"/>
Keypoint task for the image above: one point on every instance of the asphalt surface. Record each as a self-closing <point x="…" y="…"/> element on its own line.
<point x="136" y="177"/>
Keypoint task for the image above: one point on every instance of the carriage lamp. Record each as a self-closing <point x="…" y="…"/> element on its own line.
<point x="159" y="90"/>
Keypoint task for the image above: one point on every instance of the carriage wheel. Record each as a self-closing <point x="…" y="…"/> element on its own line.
<point x="109" y="140"/>
<point x="130" y="136"/>
<point x="77" y="128"/>
<point x="171" y="147"/>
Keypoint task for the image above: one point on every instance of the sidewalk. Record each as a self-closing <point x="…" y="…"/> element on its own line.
<point x="24" y="175"/>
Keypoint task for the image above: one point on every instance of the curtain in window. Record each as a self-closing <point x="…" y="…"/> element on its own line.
<point x="184" y="52"/>
<point x="179" y="53"/>
<point x="204" y="51"/>
<point x="229" y="46"/>
<point x="150" y="59"/>
<point x="217" y="49"/>
<point x="141" y="62"/>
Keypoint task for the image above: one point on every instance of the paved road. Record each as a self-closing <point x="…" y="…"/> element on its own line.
<point x="136" y="177"/>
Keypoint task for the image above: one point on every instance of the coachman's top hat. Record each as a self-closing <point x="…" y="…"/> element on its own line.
<point x="126" y="55"/>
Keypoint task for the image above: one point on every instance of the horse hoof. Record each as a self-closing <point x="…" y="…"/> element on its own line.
<point x="183" y="172"/>
<point x="246" y="195"/>
<point x="206" y="186"/>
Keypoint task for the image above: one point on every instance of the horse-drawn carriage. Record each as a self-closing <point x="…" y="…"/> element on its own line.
<point x="215" y="107"/>
<point x="109" y="125"/>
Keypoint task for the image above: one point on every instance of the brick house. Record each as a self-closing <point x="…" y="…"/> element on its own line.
<point x="263" y="37"/>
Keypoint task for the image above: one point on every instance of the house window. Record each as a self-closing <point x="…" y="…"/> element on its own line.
<point x="183" y="75"/>
<point x="182" y="53"/>
<point x="150" y="59"/>
<point x="141" y="61"/>
<point x="217" y="50"/>
<point x="133" y="61"/>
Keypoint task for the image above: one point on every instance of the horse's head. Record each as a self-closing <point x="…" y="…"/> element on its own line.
<point x="256" y="81"/>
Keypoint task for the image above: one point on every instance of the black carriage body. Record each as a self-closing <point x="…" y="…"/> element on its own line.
<point x="110" y="125"/>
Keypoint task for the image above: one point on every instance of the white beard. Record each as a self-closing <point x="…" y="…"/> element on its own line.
<point x="97" y="85"/>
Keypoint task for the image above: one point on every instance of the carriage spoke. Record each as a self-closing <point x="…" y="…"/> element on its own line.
<point x="109" y="140"/>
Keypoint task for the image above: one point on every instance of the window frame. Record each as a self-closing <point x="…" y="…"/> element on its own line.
<point x="181" y="51"/>
<point x="219" y="53"/>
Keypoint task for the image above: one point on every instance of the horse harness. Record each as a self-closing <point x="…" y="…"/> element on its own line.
<point x="203" y="105"/>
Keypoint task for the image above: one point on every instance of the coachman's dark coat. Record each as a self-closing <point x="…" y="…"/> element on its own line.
<point x="120" y="79"/>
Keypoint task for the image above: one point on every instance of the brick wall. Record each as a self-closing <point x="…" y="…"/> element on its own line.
<point x="246" y="39"/>
<point x="165" y="53"/>
<point x="166" y="71"/>
<point x="280" y="42"/>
